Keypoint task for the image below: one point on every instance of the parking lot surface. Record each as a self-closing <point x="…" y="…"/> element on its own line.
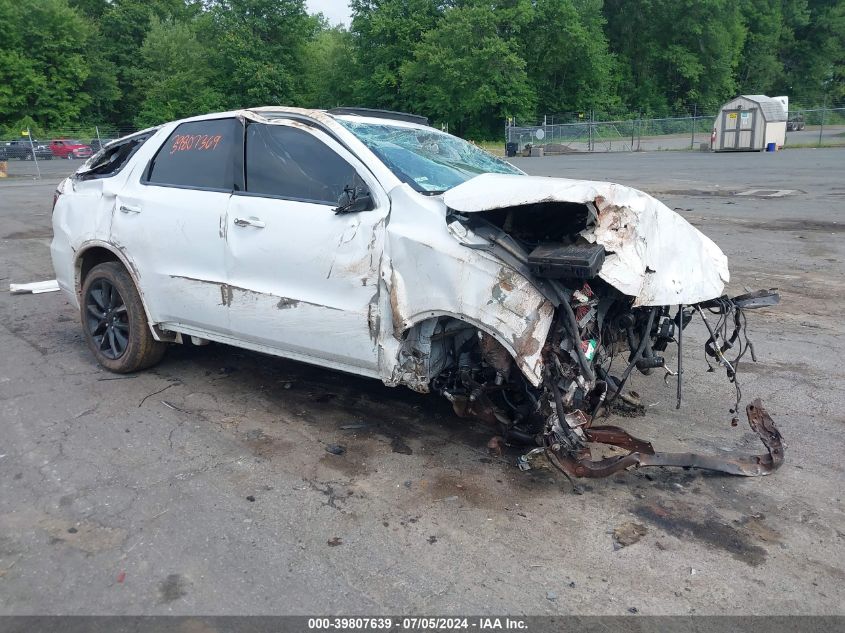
<point x="204" y="486"/>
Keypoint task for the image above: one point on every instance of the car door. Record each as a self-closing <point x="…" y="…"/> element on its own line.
<point x="304" y="279"/>
<point x="169" y="221"/>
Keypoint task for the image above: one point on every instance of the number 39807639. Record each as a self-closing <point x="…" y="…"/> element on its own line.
<point x="201" y="142"/>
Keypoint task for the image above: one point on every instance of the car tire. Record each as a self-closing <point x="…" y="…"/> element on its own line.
<point x="114" y="321"/>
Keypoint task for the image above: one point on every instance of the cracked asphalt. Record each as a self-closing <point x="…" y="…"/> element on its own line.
<point x="204" y="486"/>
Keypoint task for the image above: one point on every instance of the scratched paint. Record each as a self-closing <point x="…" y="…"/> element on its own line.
<point x="359" y="284"/>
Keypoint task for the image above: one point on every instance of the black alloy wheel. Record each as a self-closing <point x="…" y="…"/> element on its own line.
<point x="115" y="321"/>
<point x="107" y="319"/>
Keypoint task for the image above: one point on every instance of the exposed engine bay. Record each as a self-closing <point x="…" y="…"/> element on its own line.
<point x="599" y="337"/>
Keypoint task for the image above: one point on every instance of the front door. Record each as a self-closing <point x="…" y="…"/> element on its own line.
<point x="170" y="221"/>
<point x="738" y="129"/>
<point x="304" y="280"/>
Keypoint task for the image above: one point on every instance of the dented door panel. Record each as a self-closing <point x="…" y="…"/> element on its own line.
<point x="304" y="282"/>
<point x="173" y="238"/>
<point x="301" y="277"/>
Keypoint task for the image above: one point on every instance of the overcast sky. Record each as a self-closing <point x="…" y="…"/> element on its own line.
<point x="335" y="10"/>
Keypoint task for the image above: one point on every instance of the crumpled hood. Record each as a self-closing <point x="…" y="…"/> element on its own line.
<point x="653" y="254"/>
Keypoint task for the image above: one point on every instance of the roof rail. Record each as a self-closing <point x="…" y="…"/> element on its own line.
<point x="382" y="114"/>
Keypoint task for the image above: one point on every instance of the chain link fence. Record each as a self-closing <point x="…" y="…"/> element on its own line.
<point x="31" y="153"/>
<point x="589" y="132"/>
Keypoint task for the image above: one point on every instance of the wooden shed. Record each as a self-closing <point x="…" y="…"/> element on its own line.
<point x="748" y="123"/>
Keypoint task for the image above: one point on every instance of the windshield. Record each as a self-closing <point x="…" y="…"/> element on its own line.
<point x="428" y="160"/>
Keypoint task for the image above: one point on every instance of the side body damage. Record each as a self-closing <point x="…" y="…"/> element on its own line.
<point x="514" y="309"/>
<point x="509" y="295"/>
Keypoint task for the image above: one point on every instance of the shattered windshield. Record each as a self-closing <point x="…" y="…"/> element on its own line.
<point x="428" y="160"/>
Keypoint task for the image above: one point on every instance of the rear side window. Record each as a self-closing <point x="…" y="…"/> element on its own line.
<point x="199" y="154"/>
<point x="108" y="162"/>
<point x="286" y="162"/>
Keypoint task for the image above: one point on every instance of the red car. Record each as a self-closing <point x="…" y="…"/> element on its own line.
<point x="63" y="148"/>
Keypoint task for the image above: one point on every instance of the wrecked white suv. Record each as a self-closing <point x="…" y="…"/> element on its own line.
<point x="369" y="242"/>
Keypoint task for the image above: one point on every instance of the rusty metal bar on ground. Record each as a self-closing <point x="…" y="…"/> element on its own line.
<point x="643" y="454"/>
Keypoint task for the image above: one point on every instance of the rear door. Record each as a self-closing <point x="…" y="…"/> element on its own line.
<point x="305" y="280"/>
<point x="170" y="223"/>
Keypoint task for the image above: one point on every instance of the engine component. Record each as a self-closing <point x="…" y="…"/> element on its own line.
<point x="556" y="261"/>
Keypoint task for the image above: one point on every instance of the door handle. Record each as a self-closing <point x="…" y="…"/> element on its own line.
<point x="126" y="209"/>
<point x="254" y="222"/>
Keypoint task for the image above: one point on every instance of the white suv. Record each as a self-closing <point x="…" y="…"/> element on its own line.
<point x="369" y="242"/>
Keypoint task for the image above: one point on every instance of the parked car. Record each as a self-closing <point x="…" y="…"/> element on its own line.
<point x="369" y="242"/>
<point x="22" y="150"/>
<point x="64" y="148"/>
<point x="795" y="123"/>
<point x="99" y="143"/>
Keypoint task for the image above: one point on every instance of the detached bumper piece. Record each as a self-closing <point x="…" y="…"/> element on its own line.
<point x="580" y="464"/>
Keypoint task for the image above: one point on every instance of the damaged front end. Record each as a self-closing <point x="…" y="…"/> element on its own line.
<point x="625" y="276"/>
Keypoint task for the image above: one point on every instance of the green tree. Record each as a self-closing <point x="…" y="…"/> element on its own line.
<point x="675" y="53"/>
<point x="816" y="58"/>
<point x="260" y="49"/>
<point x="174" y="77"/>
<point x="464" y="73"/>
<point x="123" y="26"/>
<point x="568" y="57"/>
<point x="385" y="33"/>
<point x="796" y="16"/>
<point x="42" y="67"/>
<point x="330" y="69"/>
<point x="91" y="9"/>
<point x="761" y="67"/>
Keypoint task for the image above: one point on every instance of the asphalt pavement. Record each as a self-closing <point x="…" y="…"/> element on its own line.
<point x="203" y="486"/>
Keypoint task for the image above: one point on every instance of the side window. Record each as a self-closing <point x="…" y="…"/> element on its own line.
<point x="198" y="154"/>
<point x="108" y="162"/>
<point x="287" y="162"/>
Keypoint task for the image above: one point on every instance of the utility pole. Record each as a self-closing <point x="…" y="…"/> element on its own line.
<point x="694" y="114"/>
<point x="824" y="110"/>
<point x="640" y="131"/>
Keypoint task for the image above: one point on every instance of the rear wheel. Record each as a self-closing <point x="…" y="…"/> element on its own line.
<point x="115" y="323"/>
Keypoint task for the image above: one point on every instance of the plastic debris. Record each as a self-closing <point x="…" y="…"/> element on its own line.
<point x="35" y="288"/>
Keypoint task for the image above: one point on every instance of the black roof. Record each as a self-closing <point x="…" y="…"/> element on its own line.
<point x="382" y="114"/>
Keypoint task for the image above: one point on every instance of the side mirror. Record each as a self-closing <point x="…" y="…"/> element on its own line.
<point x="354" y="200"/>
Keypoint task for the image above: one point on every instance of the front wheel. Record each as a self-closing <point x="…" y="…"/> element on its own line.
<point x="115" y="323"/>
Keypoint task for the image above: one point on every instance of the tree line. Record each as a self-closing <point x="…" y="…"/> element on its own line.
<point x="468" y="63"/>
